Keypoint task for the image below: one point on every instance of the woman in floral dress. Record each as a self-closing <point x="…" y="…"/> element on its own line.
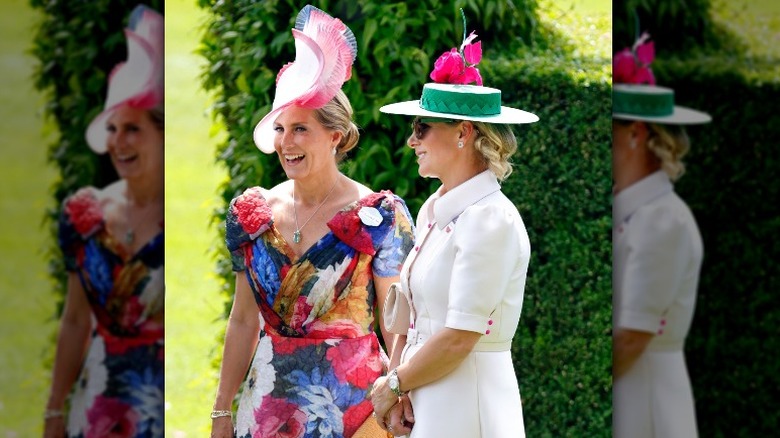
<point x="112" y="240"/>
<point x="314" y="255"/>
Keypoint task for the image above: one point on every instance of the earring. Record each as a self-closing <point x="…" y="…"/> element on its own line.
<point x="460" y="144"/>
<point x="334" y="151"/>
<point x="632" y="145"/>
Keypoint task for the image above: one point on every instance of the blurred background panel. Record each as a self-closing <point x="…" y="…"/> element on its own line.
<point x="27" y="303"/>
<point x="56" y="57"/>
<point x="194" y="303"/>
<point x="724" y="58"/>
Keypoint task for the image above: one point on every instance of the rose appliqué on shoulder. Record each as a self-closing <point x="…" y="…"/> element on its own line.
<point x="364" y="224"/>
<point x="84" y="212"/>
<point x="252" y="212"/>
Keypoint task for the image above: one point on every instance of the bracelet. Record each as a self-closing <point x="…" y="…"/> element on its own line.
<point x="394" y="383"/>
<point x="52" y="413"/>
<point x="217" y="414"/>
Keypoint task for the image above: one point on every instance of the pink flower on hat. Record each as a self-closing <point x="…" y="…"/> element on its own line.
<point x="632" y="66"/>
<point x="458" y="66"/>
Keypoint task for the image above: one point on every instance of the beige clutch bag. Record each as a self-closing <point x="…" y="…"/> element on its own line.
<point x="397" y="312"/>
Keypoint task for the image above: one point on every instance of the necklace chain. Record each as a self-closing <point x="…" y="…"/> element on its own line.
<point x="297" y="233"/>
<point x="130" y="231"/>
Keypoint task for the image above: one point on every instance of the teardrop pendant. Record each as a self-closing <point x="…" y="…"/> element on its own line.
<point x="297" y="236"/>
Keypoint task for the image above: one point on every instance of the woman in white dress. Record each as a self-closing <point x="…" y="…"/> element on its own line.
<point x="466" y="275"/>
<point x="657" y="255"/>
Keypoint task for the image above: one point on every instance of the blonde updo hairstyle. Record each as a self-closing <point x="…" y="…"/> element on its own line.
<point x="495" y="143"/>
<point x="336" y="115"/>
<point x="669" y="143"/>
<point x="157" y="116"/>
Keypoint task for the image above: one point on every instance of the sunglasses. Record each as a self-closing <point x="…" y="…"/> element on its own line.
<point x="420" y="125"/>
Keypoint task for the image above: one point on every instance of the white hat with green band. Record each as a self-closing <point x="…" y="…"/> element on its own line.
<point x="651" y="103"/>
<point x="461" y="102"/>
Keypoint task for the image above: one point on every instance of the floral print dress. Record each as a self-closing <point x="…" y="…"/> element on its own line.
<point x="317" y="355"/>
<point x="119" y="391"/>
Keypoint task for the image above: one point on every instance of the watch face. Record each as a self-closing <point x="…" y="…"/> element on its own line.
<point x="393" y="382"/>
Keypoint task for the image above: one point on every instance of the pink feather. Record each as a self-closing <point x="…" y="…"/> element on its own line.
<point x="282" y="70"/>
<point x="338" y="51"/>
<point x="646" y="53"/>
<point x="473" y="53"/>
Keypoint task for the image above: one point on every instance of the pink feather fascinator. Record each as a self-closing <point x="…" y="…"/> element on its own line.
<point x="325" y="49"/>
<point x="137" y="82"/>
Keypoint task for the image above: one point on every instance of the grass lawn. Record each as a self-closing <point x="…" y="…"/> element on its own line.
<point x="584" y="7"/>
<point x="757" y="23"/>
<point x="26" y="322"/>
<point x="193" y="302"/>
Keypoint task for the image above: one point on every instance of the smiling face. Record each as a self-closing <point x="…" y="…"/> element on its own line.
<point x="434" y="143"/>
<point x="135" y="143"/>
<point x="304" y="146"/>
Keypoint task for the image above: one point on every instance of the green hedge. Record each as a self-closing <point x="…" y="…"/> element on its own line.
<point x="733" y="351"/>
<point x="77" y="44"/>
<point x="562" y="187"/>
<point x="675" y="26"/>
<point x="561" y="183"/>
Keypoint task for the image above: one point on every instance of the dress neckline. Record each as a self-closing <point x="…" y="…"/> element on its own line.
<point x="290" y="251"/>
<point x="298" y="258"/>
<point x="117" y="248"/>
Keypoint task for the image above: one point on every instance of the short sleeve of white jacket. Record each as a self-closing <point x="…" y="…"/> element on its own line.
<point x="658" y="249"/>
<point x="487" y="251"/>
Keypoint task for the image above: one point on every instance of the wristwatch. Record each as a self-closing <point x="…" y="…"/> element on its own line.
<point x="394" y="383"/>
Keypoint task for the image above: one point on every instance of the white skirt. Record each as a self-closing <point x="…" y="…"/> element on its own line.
<point x="654" y="399"/>
<point x="479" y="399"/>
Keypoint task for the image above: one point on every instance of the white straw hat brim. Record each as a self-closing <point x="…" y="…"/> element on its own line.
<point x="508" y="115"/>
<point x="681" y="116"/>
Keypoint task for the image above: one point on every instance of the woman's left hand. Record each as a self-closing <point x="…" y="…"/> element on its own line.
<point x="401" y="417"/>
<point x="382" y="397"/>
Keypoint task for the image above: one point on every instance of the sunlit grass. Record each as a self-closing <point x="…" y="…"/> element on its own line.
<point x="585" y="7"/>
<point x="589" y="21"/>
<point x="193" y="303"/>
<point x="756" y="22"/>
<point x="28" y="303"/>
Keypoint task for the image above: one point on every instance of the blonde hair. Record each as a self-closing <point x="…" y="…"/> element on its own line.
<point x="496" y="143"/>
<point x="336" y="115"/>
<point x="157" y="116"/>
<point x="669" y="143"/>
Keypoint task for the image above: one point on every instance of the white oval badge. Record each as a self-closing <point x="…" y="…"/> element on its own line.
<point x="370" y="216"/>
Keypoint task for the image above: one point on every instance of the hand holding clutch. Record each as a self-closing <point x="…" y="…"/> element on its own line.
<point x="397" y="312"/>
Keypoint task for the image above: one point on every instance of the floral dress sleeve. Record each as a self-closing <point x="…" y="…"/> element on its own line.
<point x="248" y="216"/>
<point x="394" y="248"/>
<point x="80" y="218"/>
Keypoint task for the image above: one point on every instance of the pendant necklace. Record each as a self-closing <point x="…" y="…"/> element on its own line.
<point x="130" y="233"/>
<point x="297" y="233"/>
